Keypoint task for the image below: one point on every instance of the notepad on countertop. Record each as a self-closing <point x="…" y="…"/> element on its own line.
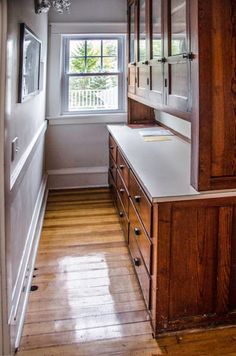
<point x="155" y="133"/>
<point x="156" y="138"/>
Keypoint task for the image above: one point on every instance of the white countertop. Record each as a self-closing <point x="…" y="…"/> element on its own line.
<point x="163" y="167"/>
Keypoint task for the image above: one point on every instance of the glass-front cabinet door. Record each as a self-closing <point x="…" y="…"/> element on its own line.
<point x="142" y="65"/>
<point x="178" y="56"/>
<point x="156" y="52"/>
<point x="132" y="18"/>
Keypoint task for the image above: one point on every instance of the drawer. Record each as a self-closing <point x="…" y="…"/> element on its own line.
<point x="139" y="234"/>
<point x="141" y="202"/>
<point x="112" y="147"/>
<point x="123" y="168"/>
<point x="112" y="167"/>
<point x="143" y="276"/>
<point x="123" y="219"/>
<point x="122" y="192"/>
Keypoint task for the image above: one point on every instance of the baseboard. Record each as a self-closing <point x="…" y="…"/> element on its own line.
<point x="23" y="282"/>
<point x="79" y="177"/>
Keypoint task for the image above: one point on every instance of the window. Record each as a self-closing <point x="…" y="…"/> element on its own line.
<point x="93" y="74"/>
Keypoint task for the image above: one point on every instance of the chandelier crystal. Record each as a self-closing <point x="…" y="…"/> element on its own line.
<point x="59" y="5"/>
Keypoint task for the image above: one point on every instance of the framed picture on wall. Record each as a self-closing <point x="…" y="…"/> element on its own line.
<point x="29" y="73"/>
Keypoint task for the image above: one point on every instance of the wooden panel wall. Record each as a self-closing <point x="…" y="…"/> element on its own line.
<point x="214" y="89"/>
<point x="196" y="263"/>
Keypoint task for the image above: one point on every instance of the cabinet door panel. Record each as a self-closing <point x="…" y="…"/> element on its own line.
<point x="142" y="80"/>
<point x="178" y="57"/>
<point x="131" y="79"/>
<point x="178" y="86"/>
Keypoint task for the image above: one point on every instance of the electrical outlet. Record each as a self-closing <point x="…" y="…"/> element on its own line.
<point x="14" y="148"/>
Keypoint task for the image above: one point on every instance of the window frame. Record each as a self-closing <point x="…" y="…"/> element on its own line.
<point x="66" y="76"/>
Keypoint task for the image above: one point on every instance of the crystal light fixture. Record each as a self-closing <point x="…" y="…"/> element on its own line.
<point x="44" y="6"/>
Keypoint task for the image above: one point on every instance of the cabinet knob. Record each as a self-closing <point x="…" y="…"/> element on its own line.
<point x="122" y="166"/>
<point x="121" y="214"/>
<point x="189" y="56"/>
<point x="145" y="62"/>
<point x="137" y="198"/>
<point x="133" y="63"/>
<point x="111" y="147"/>
<point x="122" y="190"/>
<point x="137" y="231"/>
<point x="137" y="261"/>
<point x="162" y="60"/>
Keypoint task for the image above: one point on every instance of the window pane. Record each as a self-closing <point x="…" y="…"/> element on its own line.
<point x="142" y="30"/>
<point x="178" y="27"/>
<point x="93" y="93"/>
<point x="110" y="64"/>
<point x="156" y="29"/>
<point x="94" y="48"/>
<point x="132" y="32"/>
<point x="77" y="48"/>
<point x="110" y="48"/>
<point x="77" y="65"/>
<point x="93" y="65"/>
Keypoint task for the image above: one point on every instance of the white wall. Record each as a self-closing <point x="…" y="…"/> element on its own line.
<point x="92" y="11"/>
<point x="77" y="146"/>
<point x="23" y="176"/>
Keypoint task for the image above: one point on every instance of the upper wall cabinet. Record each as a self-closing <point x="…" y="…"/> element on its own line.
<point x="160" y="58"/>
<point x="185" y="64"/>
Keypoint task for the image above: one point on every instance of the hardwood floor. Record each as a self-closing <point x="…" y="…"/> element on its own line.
<point x="88" y="300"/>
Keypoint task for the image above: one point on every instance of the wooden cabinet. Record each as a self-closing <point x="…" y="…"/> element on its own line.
<point x="189" y="72"/>
<point x="162" y="61"/>
<point x="184" y="254"/>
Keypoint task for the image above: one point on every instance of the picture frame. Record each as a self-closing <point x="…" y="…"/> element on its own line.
<point x="29" y="70"/>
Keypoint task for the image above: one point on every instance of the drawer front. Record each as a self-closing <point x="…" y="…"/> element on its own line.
<point x="112" y="167"/>
<point x="112" y="148"/>
<point x="144" y="278"/>
<point x="141" y="202"/>
<point x="123" y="219"/>
<point x="137" y="231"/>
<point x="123" y="168"/>
<point x="122" y="192"/>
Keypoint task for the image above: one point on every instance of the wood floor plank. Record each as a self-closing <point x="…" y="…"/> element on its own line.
<point x="88" y="300"/>
<point x="92" y="334"/>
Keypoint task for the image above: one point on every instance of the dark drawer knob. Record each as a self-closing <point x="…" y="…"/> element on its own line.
<point x="137" y="231"/>
<point x="133" y="63"/>
<point x="189" y="56"/>
<point x="137" y="261"/>
<point x="122" y="166"/>
<point x="145" y="62"/>
<point x="122" y="190"/>
<point x="137" y="198"/>
<point x="121" y="214"/>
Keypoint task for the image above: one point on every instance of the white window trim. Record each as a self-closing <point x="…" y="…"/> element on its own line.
<point x="120" y="74"/>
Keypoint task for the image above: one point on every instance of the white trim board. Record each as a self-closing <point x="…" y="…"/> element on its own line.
<point x="21" y="167"/>
<point x="78" y="177"/>
<point x="88" y="119"/>
<point x="88" y="27"/>
<point x="23" y="282"/>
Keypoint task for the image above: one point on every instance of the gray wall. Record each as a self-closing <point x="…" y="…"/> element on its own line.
<point x="23" y="176"/>
<point x="76" y="146"/>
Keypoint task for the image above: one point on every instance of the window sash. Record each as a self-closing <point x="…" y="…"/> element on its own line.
<point x="67" y="75"/>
